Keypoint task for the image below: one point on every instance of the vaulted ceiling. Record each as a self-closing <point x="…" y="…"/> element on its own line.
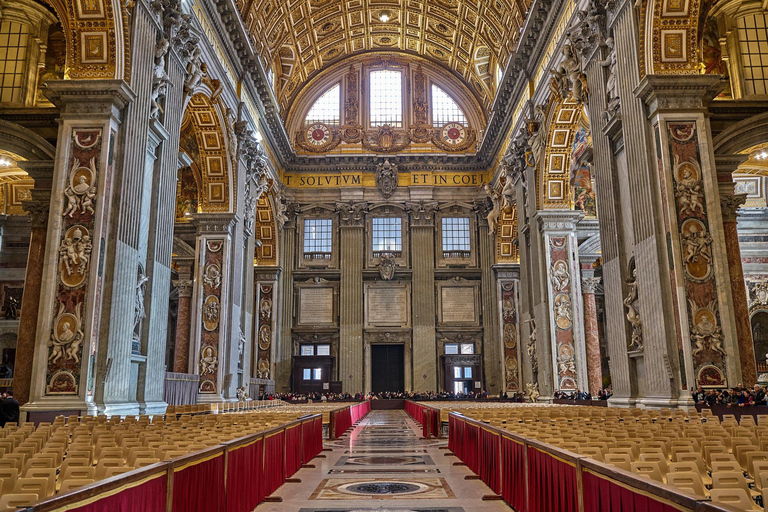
<point x="297" y="39"/>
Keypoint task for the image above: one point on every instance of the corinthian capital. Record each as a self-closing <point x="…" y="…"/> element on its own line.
<point x="730" y="204"/>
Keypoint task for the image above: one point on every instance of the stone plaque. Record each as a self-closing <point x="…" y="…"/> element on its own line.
<point x="387" y="306"/>
<point x="457" y="305"/>
<point x="316" y="306"/>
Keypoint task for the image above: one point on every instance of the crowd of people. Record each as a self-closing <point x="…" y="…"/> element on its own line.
<point x="603" y="394"/>
<point x="734" y="397"/>
<point x="9" y="408"/>
<point x="393" y="395"/>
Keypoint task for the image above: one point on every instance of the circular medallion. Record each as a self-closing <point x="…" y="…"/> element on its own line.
<point x="454" y="133"/>
<point x="318" y="134"/>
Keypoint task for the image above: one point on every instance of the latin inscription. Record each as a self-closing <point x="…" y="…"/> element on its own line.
<point x="315" y="306"/>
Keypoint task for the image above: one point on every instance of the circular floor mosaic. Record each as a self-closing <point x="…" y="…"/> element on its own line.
<point x="383" y="488"/>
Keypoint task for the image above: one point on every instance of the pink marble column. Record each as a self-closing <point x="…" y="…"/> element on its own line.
<point x="591" y="336"/>
<point x="183" y="325"/>
<point x="730" y="204"/>
<point x="38" y="210"/>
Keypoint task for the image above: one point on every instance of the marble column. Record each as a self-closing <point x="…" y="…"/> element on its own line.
<point x="614" y="204"/>
<point x="71" y="294"/>
<point x="38" y="210"/>
<point x="558" y="233"/>
<point x="183" y="325"/>
<point x="284" y="350"/>
<point x="703" y="313"/>
<point x="591" y="335"/>
<point x="425" y="357"/>
<point x="352" y="241"/>
<point x="492" y="358"/>
<point x="730" y="204"/>
<point x="210" y="333"/>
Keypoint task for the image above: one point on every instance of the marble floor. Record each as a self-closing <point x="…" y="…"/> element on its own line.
<point x="382" y="465"/>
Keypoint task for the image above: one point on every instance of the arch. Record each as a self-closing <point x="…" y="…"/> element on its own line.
<point x="507" y="248"/>
<point x="566" y="178"/>
<point x="742" y="136"/>
<point x="670" y="35"/>
<point x="24" y="142"/>
<point x="208" y="147"/>
<point x="97" y="32"/>
<point x="267" y="231"/>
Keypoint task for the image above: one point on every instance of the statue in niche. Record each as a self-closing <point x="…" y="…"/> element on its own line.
<point x="569" y="76"/>
<point x="633" y="313"/>
<point x="249" y="210"/>
<point x="696" y="244"/>
<point x="11" y="309"/>
<point x="208" y="360"/>
<point x="536" y="141"/>
<point x="196" y="70"/>
<point x="212" y="275"/>
<point x="706" y="334"/>
<point x="67" y="335"/>
<point x="612" y="85"/>
<point x="560" y="276"/>
<point x="531" y="348"/>
<point x="689" y="190"/>
<point x="386" y="178"/>
<point x="160" y="78"/>
<point x="139" y="313"/>
<point x="533" y="391"/>
<point x="495" y="211"/>
<point x="387" y="266"/>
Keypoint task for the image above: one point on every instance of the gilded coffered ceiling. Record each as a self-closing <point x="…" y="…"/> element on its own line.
<point x="299" y="38"/>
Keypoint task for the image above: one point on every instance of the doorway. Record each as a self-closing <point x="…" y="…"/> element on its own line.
<point x="387" y="368"/>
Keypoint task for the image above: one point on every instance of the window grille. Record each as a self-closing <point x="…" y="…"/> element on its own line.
<point x="386" y="104"/>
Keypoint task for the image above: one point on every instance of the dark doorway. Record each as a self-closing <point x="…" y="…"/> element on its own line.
<point x="387" y="368"/>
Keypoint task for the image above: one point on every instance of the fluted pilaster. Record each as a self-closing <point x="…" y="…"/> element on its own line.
<point x="492" y="359"/>
<point x="425" y="357"/>
<point x="351" y="307"/>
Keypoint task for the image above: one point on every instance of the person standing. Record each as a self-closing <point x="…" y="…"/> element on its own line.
<point x="9" y="409"/>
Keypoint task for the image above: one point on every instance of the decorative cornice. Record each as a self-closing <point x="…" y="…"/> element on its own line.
<point x="678" y="92"/>
<point x="89" y="96"/>
<point x="214" y="223"/>
<point x="558" y="220"/>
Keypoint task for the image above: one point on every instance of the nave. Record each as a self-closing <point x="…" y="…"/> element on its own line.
<point x="383" y="464"/>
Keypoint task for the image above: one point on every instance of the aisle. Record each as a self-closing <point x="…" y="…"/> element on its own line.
<point x="382" y="465"/>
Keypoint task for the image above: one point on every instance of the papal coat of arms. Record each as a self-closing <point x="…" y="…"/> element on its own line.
<point x="386" y="178"/>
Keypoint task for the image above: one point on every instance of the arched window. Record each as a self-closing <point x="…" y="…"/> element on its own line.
<point x="386" y="106"/>
<point x="13" y="49"/>
<point x="445" y="109"/>
<point x="327" y="108"/>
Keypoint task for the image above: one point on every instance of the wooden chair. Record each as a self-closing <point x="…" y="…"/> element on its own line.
<point x="47" y="473"/>
<point x="115" y="471"/>
<point x="692" y="466"/>
<point x="9" y="477"/>
<point x="77" y="473"/>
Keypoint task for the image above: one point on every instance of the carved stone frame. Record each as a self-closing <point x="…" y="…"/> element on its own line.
<point x="387" y="210"/>
<point x="458" y="282"/>
<point x="368" y="286"/>
<point x="317" y="212"/>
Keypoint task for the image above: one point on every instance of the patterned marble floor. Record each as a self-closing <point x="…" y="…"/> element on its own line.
<point x="382" y="465"/>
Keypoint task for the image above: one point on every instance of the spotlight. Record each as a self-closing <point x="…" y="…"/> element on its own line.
<point x="384" y="16"/>
<point x="6" y="162"/>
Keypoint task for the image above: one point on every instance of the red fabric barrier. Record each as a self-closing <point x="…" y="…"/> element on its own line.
<point x="312" y="439"/>
<point x="489" y="459"/>
<point x="199" y="487"/>
<point x="551" y="483"/>
<point x="147" y="496"/>
<point x="274" y="470"/>
<point x="292" y="450"/>
<point x="603" y="495"/>
<point x="245" y="476"/>
<point x="347" y="417"/>
<point x="513" y="473"/>
<point x="471" y="447"/>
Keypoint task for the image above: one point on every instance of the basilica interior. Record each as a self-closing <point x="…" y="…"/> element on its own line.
<point x="212" y="212"/>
